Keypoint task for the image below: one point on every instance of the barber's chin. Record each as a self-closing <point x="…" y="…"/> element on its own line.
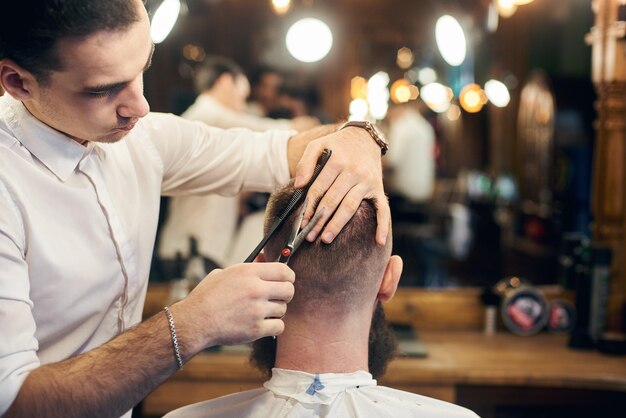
<point x="114" y="136"/>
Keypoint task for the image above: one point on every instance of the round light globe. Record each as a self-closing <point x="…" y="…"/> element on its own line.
<point x="309" y="40"/>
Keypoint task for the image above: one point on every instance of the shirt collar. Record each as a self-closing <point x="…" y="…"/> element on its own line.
<point x="58" y="152"/>
<point x="315" y="388"/>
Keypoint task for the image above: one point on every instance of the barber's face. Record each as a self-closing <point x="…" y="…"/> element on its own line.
<point x="98" y="95"/>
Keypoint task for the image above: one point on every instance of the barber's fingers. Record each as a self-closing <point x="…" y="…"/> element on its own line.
<point x="340" y="201"/>
<point x="308" y="161"/>
<point x="272" y="272"/>
<point x="276" y="309"/>
<point x="272" y="327"/>
<point x="383" y="218"/>
<point x="279" y="291"/>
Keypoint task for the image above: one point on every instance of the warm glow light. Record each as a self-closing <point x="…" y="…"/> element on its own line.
<point x="400" y="92"/>
<point x="309" y="40"/>
<point x="437" y="97"/>
<point x="471" y="98"/>
<point x="497" y="93"/>
<point x="194" y="53"/>
<point x="358" y="88"/>
<point x="414" y="91"/>
<point x="450" y="40"/>
<point x="506" y="8"/>
<point x="281" y="6"/>
<point x="164" y="19"/>
<point x="404" y="58"/>
<point x="522" y="2"/>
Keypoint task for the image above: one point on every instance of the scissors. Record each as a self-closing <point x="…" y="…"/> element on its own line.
<point x="297" y="236"/>
<point x="295" y="199"/>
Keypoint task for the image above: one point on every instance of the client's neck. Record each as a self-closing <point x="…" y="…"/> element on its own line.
<point x="324" y="343"/>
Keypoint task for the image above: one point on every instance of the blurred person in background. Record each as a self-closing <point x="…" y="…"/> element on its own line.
<point x="266" y="83"/>
<point x="411" y="157"/>
<point x="212" y="220"/>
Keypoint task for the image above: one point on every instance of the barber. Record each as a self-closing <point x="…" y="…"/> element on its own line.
<point x="82" y="166"/>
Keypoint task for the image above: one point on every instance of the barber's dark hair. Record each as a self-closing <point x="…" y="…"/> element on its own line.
<point x="211" y="69"/>
<point x="340" y="275"/>
<point x="30" y="29"/>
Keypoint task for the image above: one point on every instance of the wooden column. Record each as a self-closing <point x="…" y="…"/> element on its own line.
<point x="608" y="40"/>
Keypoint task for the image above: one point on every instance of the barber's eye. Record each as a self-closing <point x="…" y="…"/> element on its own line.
<point x="97" y="94"/>
<point x="100" y="94"/>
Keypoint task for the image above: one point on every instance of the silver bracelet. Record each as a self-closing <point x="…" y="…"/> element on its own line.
<point x="179" y="359"/>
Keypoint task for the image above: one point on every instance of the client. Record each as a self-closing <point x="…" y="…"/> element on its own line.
<point x="336" y="341"/>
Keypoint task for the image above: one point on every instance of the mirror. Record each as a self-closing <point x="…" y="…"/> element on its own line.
<point x="508" y="181"/>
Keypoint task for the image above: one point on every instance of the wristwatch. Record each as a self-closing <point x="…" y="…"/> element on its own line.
<point x="371" y="129"/>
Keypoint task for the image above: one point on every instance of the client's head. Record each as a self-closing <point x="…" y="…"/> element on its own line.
<point x="345" y="279"/>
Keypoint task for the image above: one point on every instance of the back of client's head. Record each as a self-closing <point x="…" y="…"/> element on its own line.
<point x="334" y="279"/>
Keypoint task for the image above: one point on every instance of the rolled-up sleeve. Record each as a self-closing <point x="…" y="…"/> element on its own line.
<point x="199" y="159"/>
<point x="18" y="345"/>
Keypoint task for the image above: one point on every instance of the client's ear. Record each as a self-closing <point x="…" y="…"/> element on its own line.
<point x="391" y="278"/>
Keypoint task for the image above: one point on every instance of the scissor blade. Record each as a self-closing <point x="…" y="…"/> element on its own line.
<point x="296" y="224"/>
<point x="305" y="231"/>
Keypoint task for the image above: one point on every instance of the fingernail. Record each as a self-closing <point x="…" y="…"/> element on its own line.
<point x="311" y="237"/>
<point x="297" y="182"/>
<point x="327" y="237"/>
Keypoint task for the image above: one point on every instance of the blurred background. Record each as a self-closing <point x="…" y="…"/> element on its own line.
<point x="505" y="174"/>
<point x="506" y="122"/>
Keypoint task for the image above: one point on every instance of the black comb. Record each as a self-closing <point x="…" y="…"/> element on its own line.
<point x="293" y="202"/>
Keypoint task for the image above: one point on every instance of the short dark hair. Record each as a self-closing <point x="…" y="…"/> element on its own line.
<point x="338" y="275"/>
<point x="30" y="29"/>
<point x="354" y="257"/>
<point x="211" y="69"/>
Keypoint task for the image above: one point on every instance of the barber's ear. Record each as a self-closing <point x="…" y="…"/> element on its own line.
<point x="16" y="81"/>
<point x="260" y="258"/>
<point x="391" y="278"/>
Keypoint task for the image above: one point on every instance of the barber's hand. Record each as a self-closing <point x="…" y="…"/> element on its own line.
<point x="235" y="305"/>
<point x="353" y="172"/>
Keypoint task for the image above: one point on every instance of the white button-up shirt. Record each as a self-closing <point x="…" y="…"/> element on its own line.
<point x="295" y="394"/>
<point x="77" y="224"/>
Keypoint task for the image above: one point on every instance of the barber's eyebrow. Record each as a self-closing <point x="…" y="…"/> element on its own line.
<point x="111" y="86"/>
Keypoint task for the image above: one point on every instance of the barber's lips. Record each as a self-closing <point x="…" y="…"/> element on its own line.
<point x="127" y="127"/>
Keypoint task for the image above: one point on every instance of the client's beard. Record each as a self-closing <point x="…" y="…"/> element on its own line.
<point x="382" y="347"/>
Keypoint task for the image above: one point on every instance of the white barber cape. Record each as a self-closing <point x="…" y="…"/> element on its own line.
<point x="296" y="394"/>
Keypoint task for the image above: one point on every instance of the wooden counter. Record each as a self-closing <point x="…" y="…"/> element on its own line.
<point x="462" y="366"/>
<point x="456" y="361"/>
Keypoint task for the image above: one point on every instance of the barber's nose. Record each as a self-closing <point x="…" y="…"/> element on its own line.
<point x="133" y="104"/>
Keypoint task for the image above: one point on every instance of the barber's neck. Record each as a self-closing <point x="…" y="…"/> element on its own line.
<point x="318" y="343"/>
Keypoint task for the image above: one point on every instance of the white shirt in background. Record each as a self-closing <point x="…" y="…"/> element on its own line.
<point x="412" y="156"/>
<point x="77" y="224"/>
<point x="295" y="394"/>
<point x="212" y="220"/>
